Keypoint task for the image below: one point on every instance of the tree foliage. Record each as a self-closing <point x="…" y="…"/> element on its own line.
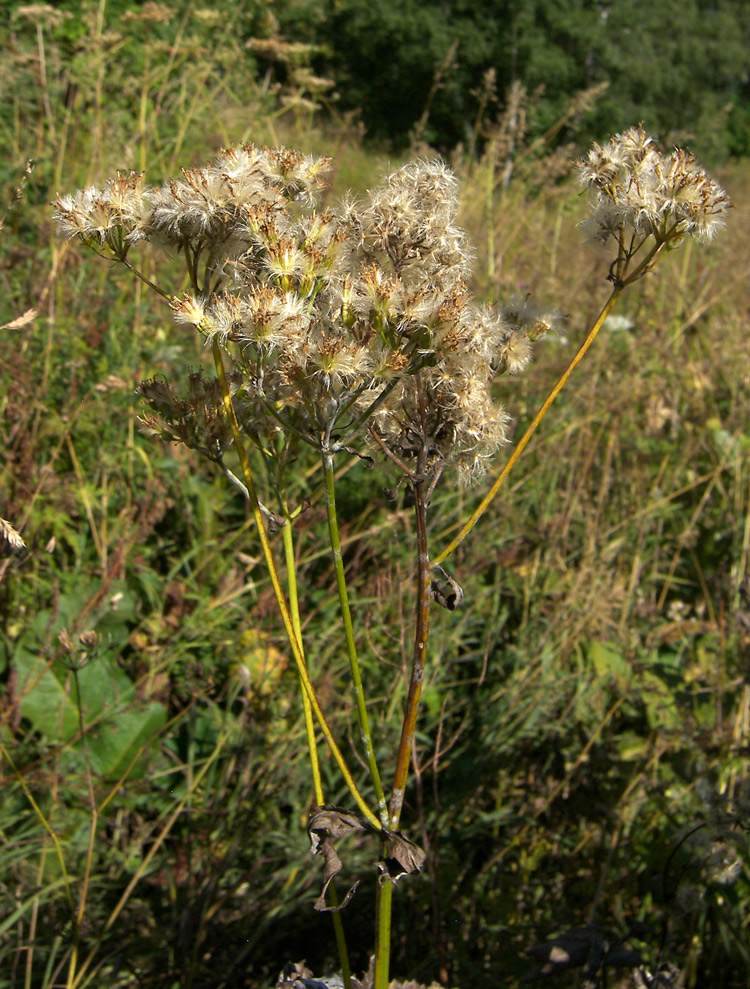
<point x="681" y="66"/>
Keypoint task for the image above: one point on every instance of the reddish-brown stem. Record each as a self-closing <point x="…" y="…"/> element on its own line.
<point x="420" y="654"/>
<point x="422" y="489"/>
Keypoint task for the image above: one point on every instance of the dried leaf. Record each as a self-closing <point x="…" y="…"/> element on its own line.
<point x="326" y="825"/>
<point x="403" y="857"/>
<point x="299" y="976"/>
<point x="335" y="822"/>
<point x="333" y="865"/>
<point x="447" y="592"/>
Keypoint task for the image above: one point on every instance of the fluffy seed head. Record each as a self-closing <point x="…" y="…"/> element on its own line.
<point x="334" y="319"/>
<point x="635" y="187"/>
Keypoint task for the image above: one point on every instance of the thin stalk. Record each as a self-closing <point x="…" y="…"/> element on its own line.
<point x="291" y="574"/>
<point x="422" y="486"/>
<point x="383" y="935"/>
<point x="291" y="570"/>
<point x="420" y="654"/>
<point x="385" y="889"/>
<point x="365" y="415"/>
<point x="346" y="616"/>
<point x="621" y="280"/>
<point x="535" y="422"/>
<point x="280" y="599"/>
<point x="83" y="896"/>
<point x="144" y="864"/>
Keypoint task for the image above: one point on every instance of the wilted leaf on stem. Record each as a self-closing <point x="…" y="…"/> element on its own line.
<point x="403" y="857"/>
<point x="328" y="824"/>
<point x="447" y="592"/>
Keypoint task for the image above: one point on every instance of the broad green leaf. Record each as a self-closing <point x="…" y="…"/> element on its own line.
<point x="45" y="700"/>
<point x="661" y="706"/>
<point x="115" y="743"/>
<point x="103" y="689"/>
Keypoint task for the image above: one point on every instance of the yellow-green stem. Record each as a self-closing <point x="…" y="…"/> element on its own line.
<point x="338" y="562"/>
<point x="291" y="575"/>
<point x="524" y="441"/>
<point x="291" y="570"/>
<point x="383" y="935"/>
<point x="280" y="599"/>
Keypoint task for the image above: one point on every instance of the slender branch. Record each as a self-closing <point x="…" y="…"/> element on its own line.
<point x="421" y="486"/>
<point x="366" y="414"/>
<point x="389" y="453"/>
<point x="621" y="281"/>
<point x="291" y="575"/>
<point x="524" y="441"/>
<point x="145" y="280"/>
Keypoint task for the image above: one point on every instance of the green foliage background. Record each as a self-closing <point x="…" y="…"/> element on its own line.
<point x="681" y="67"/>
<point x="584" y="740"/>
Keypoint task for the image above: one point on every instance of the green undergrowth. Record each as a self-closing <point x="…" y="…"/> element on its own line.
<point x="582" y="749"/>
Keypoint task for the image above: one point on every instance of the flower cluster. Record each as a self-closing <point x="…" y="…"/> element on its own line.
<point x="636" y="188"/>
<point x="338" y="321"/>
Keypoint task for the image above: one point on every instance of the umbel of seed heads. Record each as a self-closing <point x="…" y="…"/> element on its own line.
<point x="353" y="319"/>
<point x="637" y="192"/>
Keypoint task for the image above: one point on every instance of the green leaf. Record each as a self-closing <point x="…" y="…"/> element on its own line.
<point x="114" y="744"/>
<point x="661" y="705"/>
<point x="609" y="663"/>
<point x="117" y="726"/>
<point x="45" y="700"/>
<point x="104" y="688"/>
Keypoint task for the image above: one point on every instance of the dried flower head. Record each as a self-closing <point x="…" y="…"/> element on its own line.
<point x="11" y="542"/>
<point x="636" y="188"/>
<point x="343" y="321"/>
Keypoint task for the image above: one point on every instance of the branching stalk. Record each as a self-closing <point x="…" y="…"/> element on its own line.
<point x="622" y="281"/>
<point x="291" y="570"/>
<point x="346" y="617"/>
<point x="422" y="487"/>
<point x="280" y="599"/>
<point x="535" y="422"/>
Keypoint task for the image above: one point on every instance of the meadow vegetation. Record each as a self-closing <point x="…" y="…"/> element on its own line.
<point x="582" y="749"/>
